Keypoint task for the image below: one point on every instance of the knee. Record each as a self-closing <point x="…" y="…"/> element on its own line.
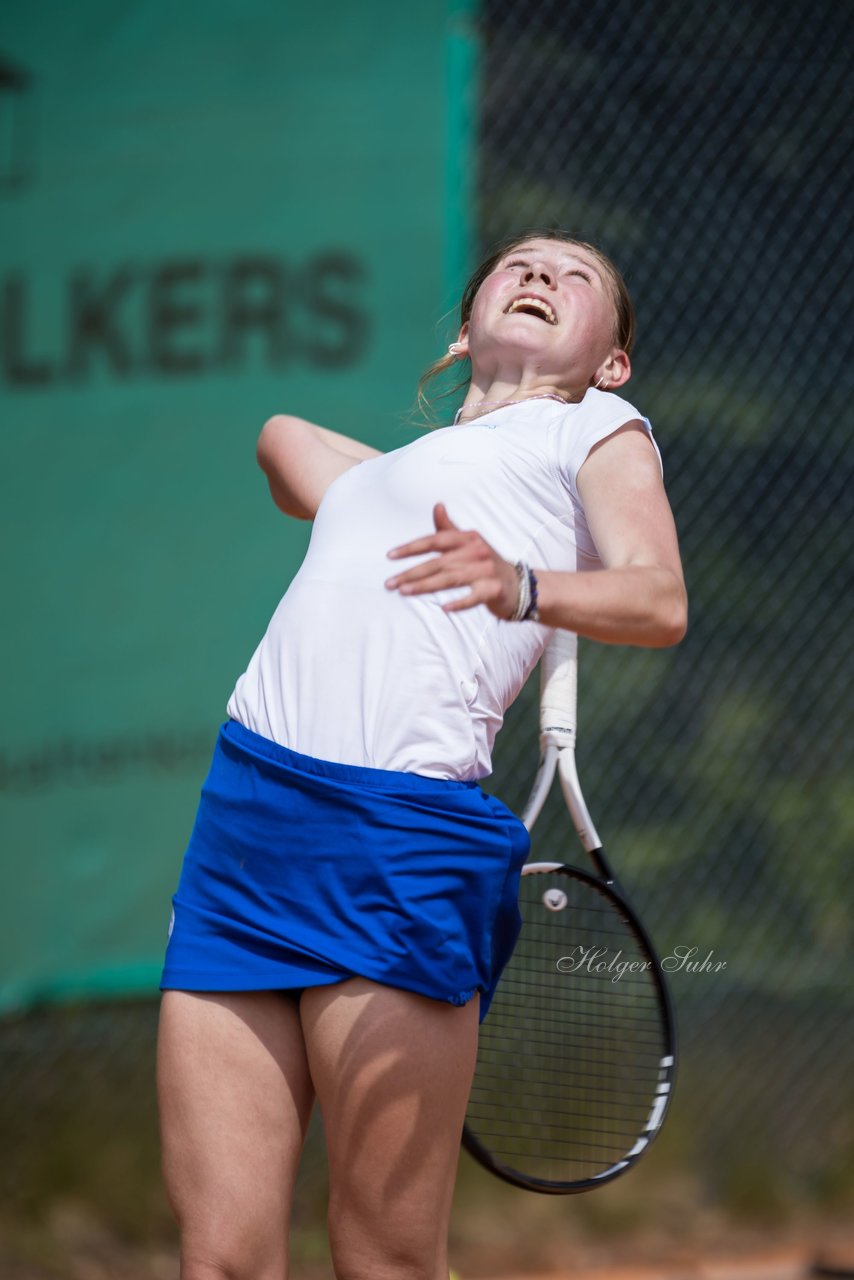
<point x="206" y="1269"/>
<point x="201" y="1267"/>
<point x="210" y="1255"/>
<point x="383" y="1247"/>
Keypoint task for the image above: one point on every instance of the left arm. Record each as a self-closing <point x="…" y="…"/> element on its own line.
<point x="638" y="597"/>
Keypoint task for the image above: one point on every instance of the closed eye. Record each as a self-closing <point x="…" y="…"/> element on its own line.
<point x="573" y="271"/>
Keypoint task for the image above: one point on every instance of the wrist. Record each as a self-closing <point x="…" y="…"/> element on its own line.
<point x="527" y="599"/>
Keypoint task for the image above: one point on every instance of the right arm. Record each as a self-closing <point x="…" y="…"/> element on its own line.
<point x="300" y="461"/>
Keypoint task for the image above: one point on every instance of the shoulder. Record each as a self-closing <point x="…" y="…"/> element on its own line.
<point x="604" y="408"/>
<point x="600" y="417"/>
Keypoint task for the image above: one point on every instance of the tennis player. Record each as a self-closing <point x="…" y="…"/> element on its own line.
<point x="348" y="897"/>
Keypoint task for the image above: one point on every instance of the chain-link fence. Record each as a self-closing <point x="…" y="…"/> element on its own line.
<point x="709" y="150"/>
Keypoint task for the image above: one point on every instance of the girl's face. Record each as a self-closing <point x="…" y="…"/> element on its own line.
<point x="546" y="309"/>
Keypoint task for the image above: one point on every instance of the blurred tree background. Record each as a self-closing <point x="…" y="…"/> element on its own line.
<point x="710" y="152"/>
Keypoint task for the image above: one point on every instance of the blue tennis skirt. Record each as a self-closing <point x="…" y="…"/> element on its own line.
<point x="302" y="872"/>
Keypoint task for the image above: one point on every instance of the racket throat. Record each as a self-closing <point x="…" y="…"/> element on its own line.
<point x="603" y="867"/>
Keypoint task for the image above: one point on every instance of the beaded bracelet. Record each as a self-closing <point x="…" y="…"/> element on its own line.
<point x="532" y="613"/>
<point x="526" y="604"/>
<point x="523" y="587"/>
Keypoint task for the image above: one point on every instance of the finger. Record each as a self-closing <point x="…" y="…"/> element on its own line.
<point x="442" y="541"/>
<point x="431" y="580"/>
<point x="437" y="576"/>
<point x="464" y="567"/>
<point x="441" y="519"/>
<point x="481" y="593"/>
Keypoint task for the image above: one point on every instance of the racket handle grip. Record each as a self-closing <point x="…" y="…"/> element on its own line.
<point x="559" y="690"/>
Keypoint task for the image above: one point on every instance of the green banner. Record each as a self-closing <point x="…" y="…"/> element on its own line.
<point x="208" y="214"/>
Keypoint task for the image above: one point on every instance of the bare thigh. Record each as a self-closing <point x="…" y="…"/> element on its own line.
<point x="392" y="1071"/>
<point x="235" y="1099"/>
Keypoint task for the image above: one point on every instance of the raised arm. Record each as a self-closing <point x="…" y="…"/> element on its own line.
<point x="300" y="461"/>
<point x="638" y="597"/>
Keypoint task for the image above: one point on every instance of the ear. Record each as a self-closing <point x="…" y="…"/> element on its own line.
<point x="614" y="372"/>
<point x="463" y="342"/>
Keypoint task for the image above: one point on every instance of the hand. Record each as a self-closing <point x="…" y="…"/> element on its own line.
<point x="463" y="559"/>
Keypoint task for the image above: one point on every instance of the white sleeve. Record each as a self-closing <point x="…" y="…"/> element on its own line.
<point x="599" y="415"/>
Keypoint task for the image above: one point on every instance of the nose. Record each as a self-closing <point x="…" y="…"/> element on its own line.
<point x="539" y="271"/>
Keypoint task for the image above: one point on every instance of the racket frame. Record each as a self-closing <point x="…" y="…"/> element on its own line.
<point x="558" y="732"/>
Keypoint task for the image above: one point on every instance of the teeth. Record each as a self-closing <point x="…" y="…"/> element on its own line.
<point x="535" y="304"/>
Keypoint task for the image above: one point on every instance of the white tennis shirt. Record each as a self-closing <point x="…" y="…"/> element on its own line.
<point x="351" y="672"/>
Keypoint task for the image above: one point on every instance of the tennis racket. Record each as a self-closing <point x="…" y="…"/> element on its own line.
<point x="576" y="1056"/>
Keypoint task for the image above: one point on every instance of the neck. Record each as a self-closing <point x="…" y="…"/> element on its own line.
<point x="487" y="392"/>
<point x="474" y="406"/>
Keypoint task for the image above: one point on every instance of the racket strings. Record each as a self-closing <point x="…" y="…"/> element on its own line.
<point x="589" y="1007"/>
<point x="570" y="1057"/>
<point x="591" y="1048"/>
<point x="555" y="1137"/>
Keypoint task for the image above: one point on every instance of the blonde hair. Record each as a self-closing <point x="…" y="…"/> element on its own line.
<point x="624" y="312"/>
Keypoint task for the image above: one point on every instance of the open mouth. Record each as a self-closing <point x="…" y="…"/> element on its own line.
<point x="530" y="305"/>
